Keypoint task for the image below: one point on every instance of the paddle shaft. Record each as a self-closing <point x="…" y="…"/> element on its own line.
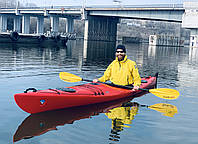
<point x="120" y="86"/>
<point x="73" y="78"/>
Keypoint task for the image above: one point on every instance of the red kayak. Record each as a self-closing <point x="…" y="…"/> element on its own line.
<point x="35" y="101"/>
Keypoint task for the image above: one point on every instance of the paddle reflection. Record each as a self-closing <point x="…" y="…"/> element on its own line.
<point x="122" y="112"/>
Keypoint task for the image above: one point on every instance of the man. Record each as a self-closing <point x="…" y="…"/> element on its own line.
<point x="122" y="71"/>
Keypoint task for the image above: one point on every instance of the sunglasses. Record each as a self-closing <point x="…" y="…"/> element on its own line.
<point x="119" y="51"/>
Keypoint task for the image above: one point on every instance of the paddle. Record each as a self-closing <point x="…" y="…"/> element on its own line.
<point x="164" y="93"/>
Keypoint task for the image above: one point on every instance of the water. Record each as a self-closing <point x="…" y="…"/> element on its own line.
<point x="24" y="66"/>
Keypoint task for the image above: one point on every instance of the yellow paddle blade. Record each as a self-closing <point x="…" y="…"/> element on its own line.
<point x="68" y="77"/>
<point x="165" y="93"/>
<point x="167" y="109"/>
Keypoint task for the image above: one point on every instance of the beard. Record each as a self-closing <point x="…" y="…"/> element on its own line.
<point x="120" y="57"/>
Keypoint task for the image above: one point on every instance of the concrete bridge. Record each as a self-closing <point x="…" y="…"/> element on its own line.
<point x="22" y="16"/>
<point x="100" y="22"/>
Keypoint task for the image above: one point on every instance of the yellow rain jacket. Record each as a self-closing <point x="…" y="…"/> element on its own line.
<point x="123" y="72"/>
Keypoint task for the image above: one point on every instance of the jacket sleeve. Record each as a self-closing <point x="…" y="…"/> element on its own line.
<point x="136" y="75"/>
<point x="107" y="74"/>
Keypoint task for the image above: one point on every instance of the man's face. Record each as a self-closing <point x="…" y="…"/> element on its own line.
<point x="120" y="54"/>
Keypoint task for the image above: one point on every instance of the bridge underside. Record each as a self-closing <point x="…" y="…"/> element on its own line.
<point x="157" y="15"/>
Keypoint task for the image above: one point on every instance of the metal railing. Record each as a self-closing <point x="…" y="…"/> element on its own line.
<point x="103" y="6"/>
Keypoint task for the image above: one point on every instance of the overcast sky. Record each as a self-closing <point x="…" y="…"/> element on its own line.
<point x="100" y="2"/>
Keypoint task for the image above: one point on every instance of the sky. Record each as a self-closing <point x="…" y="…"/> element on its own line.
<point x="101" y="2"/>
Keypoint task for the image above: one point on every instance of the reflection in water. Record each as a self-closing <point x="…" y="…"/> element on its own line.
<point x="17" y="60"/>
<point x="193" y="55"/>
<point x="152" y="59"/>
<point x="149" y="59"/>
<point x="122" y="116"/>
<point x="152" y="51"/>
<point x="164" y="108"/>
<point x="38" y="58"/>
<point x="99" y="50"/>
<point x="34" y="60"/>
<point x="163" y="60"/>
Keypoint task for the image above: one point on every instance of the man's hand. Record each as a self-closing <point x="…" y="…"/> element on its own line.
<point x="95" y="80"/>
<point x="135" y="88"/>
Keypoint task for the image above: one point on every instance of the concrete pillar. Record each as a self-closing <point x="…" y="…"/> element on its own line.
<point x="3" y="23"/>
<point x="100" y="28"/>
<point x="70" y="25"/>
<point x="17" y="24"/>
<point x="40" y="25"/>
<point x="54" y="23"/>
<point x="190" y="21"/>
<point x="26" y="24"/>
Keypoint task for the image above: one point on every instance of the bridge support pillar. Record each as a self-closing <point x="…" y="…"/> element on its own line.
<point x="3" y="23"/>
<point x="190" y="21"/>
<point x="40" y="25"/>
<point x="54" y="23"/>
<point x="26" y="24"/>
<point x="100" y="28"/>
<point x="70" y="25"/>
<point x="17" y="24"/>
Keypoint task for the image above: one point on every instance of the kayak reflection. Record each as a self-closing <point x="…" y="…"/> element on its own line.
<point x="40" y="123"/>
<point x="123" y="116"/>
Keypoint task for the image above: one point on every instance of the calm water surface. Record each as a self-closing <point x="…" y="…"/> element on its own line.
<point x="24" y="66"/>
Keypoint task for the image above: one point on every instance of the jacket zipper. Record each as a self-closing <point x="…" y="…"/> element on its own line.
<point x="120" y="66"/>
<point x="128" y="79"/>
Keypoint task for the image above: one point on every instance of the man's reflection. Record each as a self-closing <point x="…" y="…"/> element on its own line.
<point x="121" y="117"/>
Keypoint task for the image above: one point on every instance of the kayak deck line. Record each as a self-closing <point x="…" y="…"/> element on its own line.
<point x="96" y="90"/>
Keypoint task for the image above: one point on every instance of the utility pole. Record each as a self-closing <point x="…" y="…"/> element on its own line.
<point x="83" y="12"/>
